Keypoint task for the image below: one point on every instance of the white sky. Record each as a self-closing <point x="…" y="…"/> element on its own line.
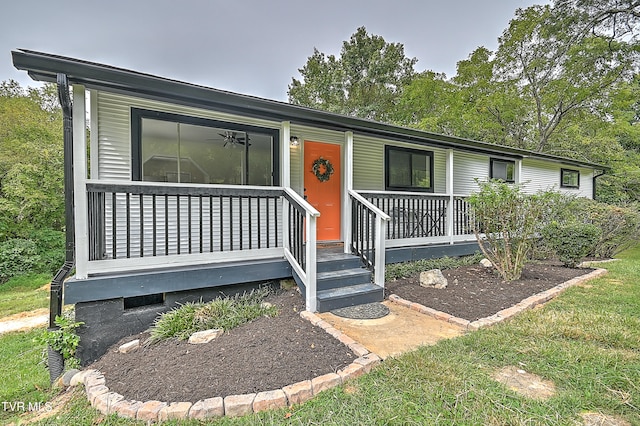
<point x="253" y="47"/>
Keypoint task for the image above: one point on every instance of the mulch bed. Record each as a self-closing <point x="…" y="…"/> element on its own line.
<point x="270" y="353"/>
<point x="475" y="292"/>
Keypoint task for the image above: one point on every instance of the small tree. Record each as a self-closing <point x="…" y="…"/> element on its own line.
<point x="506" y="223"/>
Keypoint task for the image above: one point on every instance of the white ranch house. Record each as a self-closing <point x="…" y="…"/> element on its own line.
<point x="187" y="188"/>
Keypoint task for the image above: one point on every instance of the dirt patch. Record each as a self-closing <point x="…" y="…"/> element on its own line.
<point x="266" y="354"/>
<point x="475" y="292"/>
<point x="524" y="383"/>
<point x="599" y="419"/>
<point x="26" y="315"/>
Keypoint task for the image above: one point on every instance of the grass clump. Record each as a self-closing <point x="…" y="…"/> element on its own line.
<point x="406" y="269"/>
<point x="24" y="293"/>
<point x="225" y="313"/>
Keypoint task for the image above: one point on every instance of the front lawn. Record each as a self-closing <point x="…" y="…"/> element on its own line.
<point x="586" y="342"/>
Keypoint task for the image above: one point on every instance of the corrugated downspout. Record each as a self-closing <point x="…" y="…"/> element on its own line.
<point x="56" y="361"/>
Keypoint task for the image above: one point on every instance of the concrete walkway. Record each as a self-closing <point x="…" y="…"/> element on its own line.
<point x="400" y="331"/>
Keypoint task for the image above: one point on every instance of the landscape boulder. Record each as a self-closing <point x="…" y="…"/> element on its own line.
<point x="486" y="263"/>
<point x="205" y="336"/>
<point x="433" y="278"/>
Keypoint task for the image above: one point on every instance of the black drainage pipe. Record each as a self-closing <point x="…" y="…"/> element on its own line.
<point x="55" y="358"/>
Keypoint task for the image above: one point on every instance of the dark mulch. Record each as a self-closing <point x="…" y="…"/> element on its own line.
<point x="475" y="292"/>
<point x="270" y="353"/>
<point x="266" y="354"/>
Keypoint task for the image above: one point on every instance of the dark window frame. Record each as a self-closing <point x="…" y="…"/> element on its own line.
<point x="502" y="160"/>
<point x="137" y="114"/>
<point x="562" y="173"/>
<point x="426" y="153"/>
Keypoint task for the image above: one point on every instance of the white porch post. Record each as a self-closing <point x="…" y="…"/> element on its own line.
<point x="80" y="179"/>
<point x="311" y="296"/>
<point x="518" y="177"/>
<point x="285" y="154"/>
<point x="449" y="172"/>
<point x="93" y="122"/>
<point x="348" y="186"/>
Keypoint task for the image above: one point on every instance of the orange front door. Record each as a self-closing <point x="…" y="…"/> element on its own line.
<point x="322" y="188"/>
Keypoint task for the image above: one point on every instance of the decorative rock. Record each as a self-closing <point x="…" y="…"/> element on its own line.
<point x="298" y="393"/>
<point x="129" y="347"/>
<point x="205" y="336"/>
<point x="238" y="405"/>
<point x="68" y="376"/>
<point x="128" y="409"/>
<point x="351" y="371"/>
<point x="325" y="382"/>
<point x="94" y="391"/>
<point x="368" y="361"/>
<point x="207" y="408"/>
<point x="269" y="400"/>
<point x="78" y="378"/>
<point x="486" y="263"/>
<point x="105" y="403"/>
<point x="175" y="410"/>
<point x="266" y="305"/>
<point x="433" y="278"/>
<point x="149" y="411"/>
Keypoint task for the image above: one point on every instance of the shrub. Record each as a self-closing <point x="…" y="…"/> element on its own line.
<point x="17" y="256"/>
<point x="620" y="227"/>
<point x="506" y="222"/>
<point x="225" y="313"/>
<point x="571" y="241"/>
<point x="51" y="249"/>
<point x="63" y="339"/>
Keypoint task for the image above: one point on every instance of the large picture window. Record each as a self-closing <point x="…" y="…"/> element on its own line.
<point x="175" y="148"/>
<point x="504" y="170"/>
<point x="569" y="178"/>
<point x="408" y="169"/>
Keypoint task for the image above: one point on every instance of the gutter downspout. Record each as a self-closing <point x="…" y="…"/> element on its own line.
<point x="56" y="361"/>
<point x="593" y="189"/>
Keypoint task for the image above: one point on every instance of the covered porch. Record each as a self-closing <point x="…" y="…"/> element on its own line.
<point x="148" y="238"/>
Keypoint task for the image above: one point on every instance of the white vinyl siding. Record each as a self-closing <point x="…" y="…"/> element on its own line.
<point x="369" y="167"/>
<point x="541" y="175"/>
<point x="467" y="167"/>
<point x="114" y="128"/>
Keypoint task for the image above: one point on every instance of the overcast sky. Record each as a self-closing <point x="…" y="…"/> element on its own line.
<point x="253" y="47"/>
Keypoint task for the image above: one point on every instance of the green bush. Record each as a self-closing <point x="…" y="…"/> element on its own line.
<point x="50" y="245"/>
<point x="571" y="241"/>
<point x="506" y="223"/>
<point x="620" y="227"/>
<point x="17" y="256"/>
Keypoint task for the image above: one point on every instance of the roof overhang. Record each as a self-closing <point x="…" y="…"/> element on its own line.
<point x="45" y="67"/>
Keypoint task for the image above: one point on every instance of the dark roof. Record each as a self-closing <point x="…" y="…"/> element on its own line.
<point x="45" y="67"/>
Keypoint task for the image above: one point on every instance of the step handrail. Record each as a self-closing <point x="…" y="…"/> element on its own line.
<point x="304" y="265"/>
<point x="360" y="246"/>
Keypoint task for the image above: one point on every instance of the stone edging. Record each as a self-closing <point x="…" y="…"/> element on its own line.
<point x="108" y="402"/>
<point x="528" y="303"/>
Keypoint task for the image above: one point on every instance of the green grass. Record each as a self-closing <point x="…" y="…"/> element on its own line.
<point x="23" y="378"/>
<point x="587" y="342"/>
<point x="22" y="293"/>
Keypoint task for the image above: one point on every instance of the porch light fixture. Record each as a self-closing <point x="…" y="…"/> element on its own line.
<point x="293" y="141"/>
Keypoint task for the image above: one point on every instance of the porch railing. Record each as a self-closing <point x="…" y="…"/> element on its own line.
<point x="300" y="242"/>
<point x="368" y="230"/>
<point x="149" y="220"/>
<point x="420" y="216"/>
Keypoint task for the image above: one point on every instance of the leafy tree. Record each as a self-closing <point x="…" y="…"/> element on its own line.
<point x="31" y="161"/>
<point x="562" y="69"/>
<point x="365" y="81"/>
